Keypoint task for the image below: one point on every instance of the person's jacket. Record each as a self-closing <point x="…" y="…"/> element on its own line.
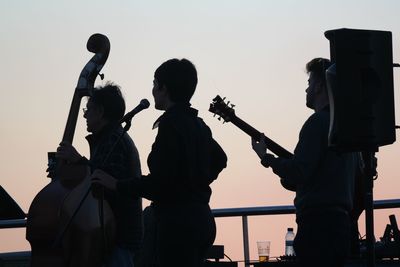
<point x="121" y="160"/>
<point x="183" y="162"/>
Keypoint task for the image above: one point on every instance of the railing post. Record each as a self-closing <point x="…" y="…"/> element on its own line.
<point x="246" y="241"/>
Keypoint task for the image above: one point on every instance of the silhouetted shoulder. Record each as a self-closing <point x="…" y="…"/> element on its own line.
<point x="318" y="119"/>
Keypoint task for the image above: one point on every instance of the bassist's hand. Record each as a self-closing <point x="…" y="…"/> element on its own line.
<point x="67" y="152"/>
<point x="259" y="146"/>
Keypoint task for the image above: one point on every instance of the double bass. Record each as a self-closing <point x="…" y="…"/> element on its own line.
<point x="65" y="227"/>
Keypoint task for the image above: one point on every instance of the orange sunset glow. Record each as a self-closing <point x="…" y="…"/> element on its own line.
<point x="252" y="52"/>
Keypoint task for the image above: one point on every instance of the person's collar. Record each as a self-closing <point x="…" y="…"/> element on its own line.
<point x="176" y="108"/>
<point x="106" y="130"/>
<point x="324" y="108"/>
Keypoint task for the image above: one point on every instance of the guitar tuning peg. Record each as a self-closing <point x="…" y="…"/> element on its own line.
<point x="232" y="105"/>
<point x="215" y="114"/>
<point x="224" y="98"/>
<point x="228" y="102"/>
<point x="219" y="118"/>
<point x="101" y="76"/>
<point x="223" y="122"/>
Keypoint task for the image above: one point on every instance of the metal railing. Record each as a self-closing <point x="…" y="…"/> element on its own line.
<point x="237" y="212"/>
<point x="278" y="210"/>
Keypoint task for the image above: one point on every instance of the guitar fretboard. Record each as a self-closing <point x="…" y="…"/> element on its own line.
<point x="271" y="145"/>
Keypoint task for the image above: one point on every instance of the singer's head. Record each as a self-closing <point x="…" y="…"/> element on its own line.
<point x="105" y="106"/>
<point x="174" y="82"/>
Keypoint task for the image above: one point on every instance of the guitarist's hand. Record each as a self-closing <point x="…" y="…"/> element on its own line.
<point x="259" y="146"/>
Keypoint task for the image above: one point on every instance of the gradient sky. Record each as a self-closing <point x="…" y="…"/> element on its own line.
<point x="252" y="52"/>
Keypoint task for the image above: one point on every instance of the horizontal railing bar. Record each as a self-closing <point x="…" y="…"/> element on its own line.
<point x="253" y="211"/>
<point x="387" y="204"/>
<point x="233" y="212"/>
<point x="16" y="223"/>
<point x="287" y="209"/>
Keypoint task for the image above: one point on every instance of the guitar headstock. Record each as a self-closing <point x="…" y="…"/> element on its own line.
<point x="224" y="110"/>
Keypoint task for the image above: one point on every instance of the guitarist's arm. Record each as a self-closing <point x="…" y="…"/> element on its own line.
<point x="266" y="143"/>
<point x="260" y="147"/>
<point x="300" y="167"/>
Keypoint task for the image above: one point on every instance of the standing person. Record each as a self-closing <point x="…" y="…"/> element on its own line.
<point x="183" y="162"/>
<point x="103" y="111"/>
<point x="324" y="180"/>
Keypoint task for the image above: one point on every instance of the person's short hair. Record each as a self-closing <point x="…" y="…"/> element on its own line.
<point x="110" y="98"/>
<point x="318" y="66"/>
<point x="179" y="77"/>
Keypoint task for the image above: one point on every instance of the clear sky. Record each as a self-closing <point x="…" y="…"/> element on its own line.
<point x="252" y="52"/>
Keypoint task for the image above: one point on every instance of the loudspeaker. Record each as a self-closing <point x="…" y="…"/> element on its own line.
<point x="360" y="89"/>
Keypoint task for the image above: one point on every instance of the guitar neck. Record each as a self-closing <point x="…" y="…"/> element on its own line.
<point x="271" y="145"/>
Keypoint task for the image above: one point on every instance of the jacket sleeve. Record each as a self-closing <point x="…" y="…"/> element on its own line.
<point x="307" y="155"/>
<point x="114" y="157"/>
<point x="218" y="160"/>
<point x="164" y="162"/>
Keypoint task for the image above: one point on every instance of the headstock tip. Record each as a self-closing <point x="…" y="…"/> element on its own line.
<point x="217" y="98"/>
<point x="219" y="107"/>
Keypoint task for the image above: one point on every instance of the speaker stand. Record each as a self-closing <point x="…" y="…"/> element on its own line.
<point x="370" y="173"/>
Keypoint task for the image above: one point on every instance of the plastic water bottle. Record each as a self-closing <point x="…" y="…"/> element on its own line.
<point x="289" y="250"/>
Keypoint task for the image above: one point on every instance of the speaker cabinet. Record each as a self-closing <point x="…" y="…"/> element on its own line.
<point x="360" y="89"/>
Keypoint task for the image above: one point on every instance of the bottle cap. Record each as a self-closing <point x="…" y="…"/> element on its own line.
<point x="290" y="229"/>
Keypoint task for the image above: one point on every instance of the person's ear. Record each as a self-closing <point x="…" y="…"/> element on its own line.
<point x="100" y="110"/>
<point x="164" y="91"/>
<point x="320" y="87"/>
<point x="164" y="88"/>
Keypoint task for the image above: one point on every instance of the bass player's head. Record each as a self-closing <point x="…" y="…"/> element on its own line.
<point x="174" y="82"/>
<point x="105" y="106"/>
